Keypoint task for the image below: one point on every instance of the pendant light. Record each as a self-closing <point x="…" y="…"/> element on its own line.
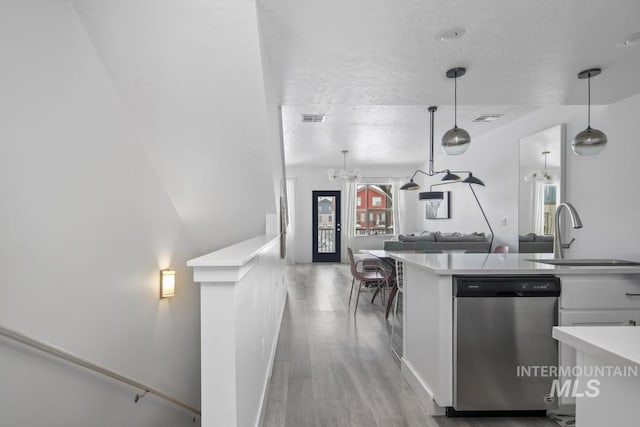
<point x="456" y="140"/>
<point x="590" y="141"/>
<point x="449" y="175"/>
<point x="345" y="174"/>
<point x="544" y="175"/>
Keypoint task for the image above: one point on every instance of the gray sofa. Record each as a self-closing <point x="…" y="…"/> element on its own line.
<point x="476" y="242"/>
<point x="535" y="244"/>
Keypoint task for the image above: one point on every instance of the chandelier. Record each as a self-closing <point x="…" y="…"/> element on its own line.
<point x="543" y="175"/>
<point x="344" y="173"/>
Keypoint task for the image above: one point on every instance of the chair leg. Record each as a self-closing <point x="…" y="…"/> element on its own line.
<point x="375" y="294"/>
<point x="357" y="299"/>
<point x="391" y="301"/>
<point x="351" y="293"/>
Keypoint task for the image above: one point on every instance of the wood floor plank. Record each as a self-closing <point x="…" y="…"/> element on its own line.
<point x="336" y="369"/>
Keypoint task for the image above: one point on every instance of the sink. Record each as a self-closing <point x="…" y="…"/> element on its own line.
<point x="587" y="262"/>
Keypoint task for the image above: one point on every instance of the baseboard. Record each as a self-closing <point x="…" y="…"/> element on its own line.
<point x="272" y="360"/>
<point x="424" y="395"/>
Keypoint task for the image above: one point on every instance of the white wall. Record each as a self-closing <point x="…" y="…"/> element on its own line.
<point x="237" y="359"/>
<point x="603" y="188"/>
<point x="308" y="180"/>
<point x="109" y="175"/>
<point x="192" y="76"/>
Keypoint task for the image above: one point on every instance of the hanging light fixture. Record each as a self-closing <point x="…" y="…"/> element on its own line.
<point x="344" y="173"/>
<point x="435" y="198"/>
<point x="590" y="141"/>
<point x="456" y="140"/>
<point x="543" y="175"/>
<point x="449" y="176"/>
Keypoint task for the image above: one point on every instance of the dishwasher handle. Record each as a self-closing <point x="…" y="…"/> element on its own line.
<point x="506" y="287"/>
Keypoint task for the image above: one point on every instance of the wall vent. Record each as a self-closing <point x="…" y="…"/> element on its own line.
<point x="486" y="118"/>
<point x="313" y="118"/>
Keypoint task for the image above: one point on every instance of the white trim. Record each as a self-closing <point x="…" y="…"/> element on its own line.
<point x="272" y="358"/>
<point x="424" y="395"/>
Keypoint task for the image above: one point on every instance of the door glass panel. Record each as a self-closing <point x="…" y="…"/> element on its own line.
<point x="326" y="224"/>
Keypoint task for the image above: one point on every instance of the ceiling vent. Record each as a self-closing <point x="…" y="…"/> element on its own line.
<point x="313" y="118"/>
<point x="486" y="118"/>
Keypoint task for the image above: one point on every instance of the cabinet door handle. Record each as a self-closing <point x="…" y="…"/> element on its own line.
<point x="629" y="294"/>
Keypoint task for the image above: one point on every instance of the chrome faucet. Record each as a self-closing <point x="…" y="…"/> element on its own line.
<point x="558" y="246"/>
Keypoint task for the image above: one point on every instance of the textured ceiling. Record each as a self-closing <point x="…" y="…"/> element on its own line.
<point x="520" y="55"/>
<point x="376" y="134"/>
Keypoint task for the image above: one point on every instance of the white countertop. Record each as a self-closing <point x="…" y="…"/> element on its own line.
<point x="236" y="255"/>
<point x="457" y="263"/>
<point x="621" y="344"/>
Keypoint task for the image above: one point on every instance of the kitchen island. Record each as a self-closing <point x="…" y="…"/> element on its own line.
<point x="608" y="378"/>
<point x="590" y="295"/>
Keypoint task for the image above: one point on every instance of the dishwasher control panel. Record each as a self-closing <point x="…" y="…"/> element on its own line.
<point x="517" y="286"/>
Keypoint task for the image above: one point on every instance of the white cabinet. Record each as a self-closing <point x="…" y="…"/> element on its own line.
<point x="598" y="317"/>
<point x="596" y="301"/>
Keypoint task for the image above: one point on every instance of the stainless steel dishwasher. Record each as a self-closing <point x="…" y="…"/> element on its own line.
<point x="502" y="323"/>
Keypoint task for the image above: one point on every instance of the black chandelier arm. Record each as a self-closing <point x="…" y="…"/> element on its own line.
<point x="434" y="173"/>
<point x="484" y="215"/>
<point x="442" y="183"/>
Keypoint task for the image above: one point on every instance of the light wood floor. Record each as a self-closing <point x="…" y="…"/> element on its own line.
<point x="333" y="369"/>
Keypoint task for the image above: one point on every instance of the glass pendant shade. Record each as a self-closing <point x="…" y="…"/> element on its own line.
<point x="589" y="142"/>
<point x="455" y="141"/>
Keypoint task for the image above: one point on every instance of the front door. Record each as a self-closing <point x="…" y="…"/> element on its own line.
<point x="326" y="226"/>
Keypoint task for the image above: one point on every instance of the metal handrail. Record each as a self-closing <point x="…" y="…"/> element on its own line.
<point x="70" y="357"/>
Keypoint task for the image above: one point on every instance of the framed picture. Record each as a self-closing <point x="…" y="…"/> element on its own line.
<point x="440" y="209"/>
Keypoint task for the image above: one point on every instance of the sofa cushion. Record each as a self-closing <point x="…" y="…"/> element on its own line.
<point x="543" y="238"/>
<point x="529" y="237"/>
<point x="459" y="237"/>
<point x="414" y="237"/>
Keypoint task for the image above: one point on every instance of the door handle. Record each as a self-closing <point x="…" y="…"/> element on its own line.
<point x="629" y="294"/>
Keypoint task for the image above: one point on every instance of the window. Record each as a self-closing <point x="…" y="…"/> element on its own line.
<point x="374" y="210"/>
<point x="550" y="201"/>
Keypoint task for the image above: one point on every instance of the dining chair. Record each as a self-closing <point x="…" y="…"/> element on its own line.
<point x="426" y="247"/>
<point x="503" y="249"/>
<point x="367" y="277"/>
<point x="392" y="245"/>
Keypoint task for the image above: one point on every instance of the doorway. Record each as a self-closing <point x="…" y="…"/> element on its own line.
<point x="326" y="226"/>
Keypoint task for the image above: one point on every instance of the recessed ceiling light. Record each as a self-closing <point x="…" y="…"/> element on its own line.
<point x="313" y="118"/>
<point x="450" y="34"/>
<point x="632" y="39"/>
<point x="486" y="118"/>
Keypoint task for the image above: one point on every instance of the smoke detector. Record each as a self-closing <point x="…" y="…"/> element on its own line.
<point x="450" y="34"/>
